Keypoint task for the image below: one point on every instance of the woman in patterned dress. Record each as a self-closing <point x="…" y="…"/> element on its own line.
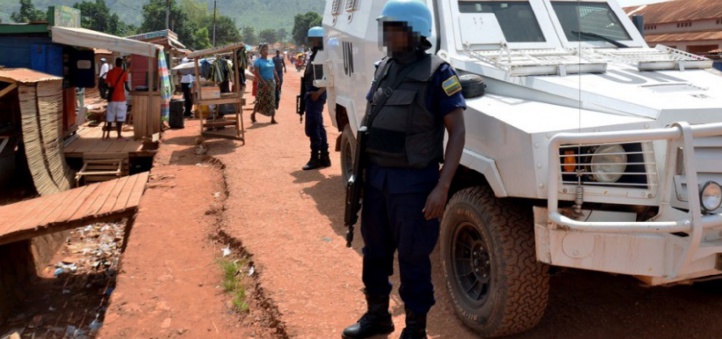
<point x="265" y="71"/>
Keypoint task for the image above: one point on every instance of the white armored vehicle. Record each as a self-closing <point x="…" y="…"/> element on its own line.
<point x="589" y="150"/>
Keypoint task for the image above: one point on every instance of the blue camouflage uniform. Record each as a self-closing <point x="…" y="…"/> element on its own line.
<point x="392" y="217"/>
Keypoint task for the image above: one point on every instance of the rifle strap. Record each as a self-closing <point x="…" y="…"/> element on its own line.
<point x="389" y="90"/>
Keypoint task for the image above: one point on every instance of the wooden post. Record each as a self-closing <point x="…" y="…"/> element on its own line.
<point x="149" y="115"/>
<point x="198" y="94"/>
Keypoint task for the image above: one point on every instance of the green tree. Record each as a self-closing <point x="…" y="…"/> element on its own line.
<point x="188" y="32"/>
<point x="268" y="36"/>
<point x="281" y="34"/>
<point x="28" y="13"/>
<point x="301" y="24"/>
<point x="226" y="30"/>
<point x="248" y="34"/>
<point x="96" y="16"/>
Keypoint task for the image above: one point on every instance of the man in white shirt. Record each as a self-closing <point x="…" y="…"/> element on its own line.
<point x="102" y="83"/>
<point x="187" y="85"/>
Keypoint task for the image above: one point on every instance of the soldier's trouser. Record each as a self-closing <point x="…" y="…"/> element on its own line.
<point x="314" y="123"/>
<point x="391" y="222"/>
<point x="278" y="89"/>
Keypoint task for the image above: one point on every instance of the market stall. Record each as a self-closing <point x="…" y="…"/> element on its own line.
<point x="212" y="121"/>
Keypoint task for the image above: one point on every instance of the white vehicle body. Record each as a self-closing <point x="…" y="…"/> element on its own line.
<point x="554" y="93"/>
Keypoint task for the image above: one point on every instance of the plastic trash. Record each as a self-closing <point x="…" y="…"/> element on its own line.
<point x="251" y="271"/>
<point x="95" y="326"/>
<point x="58" y="271"/>
<point x="226" y="251"/>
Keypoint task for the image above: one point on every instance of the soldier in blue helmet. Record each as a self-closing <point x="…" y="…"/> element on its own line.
<point x="415" y="97"/>
<point x="315" y="101"/>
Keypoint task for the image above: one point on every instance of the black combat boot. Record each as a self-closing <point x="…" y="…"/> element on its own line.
<point x="415" y="326"/>
<point x="376" y="321"/>
<point x="313" y="163"/>
<point x="325" y="160"/>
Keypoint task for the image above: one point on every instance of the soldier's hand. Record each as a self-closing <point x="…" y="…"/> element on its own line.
<point x="435" y="203"/>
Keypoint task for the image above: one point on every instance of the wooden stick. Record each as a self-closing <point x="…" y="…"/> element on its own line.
<point x="8" y="90"/>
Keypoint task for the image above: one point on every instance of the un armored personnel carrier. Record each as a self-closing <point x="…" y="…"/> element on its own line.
<point x="589" y="149"/>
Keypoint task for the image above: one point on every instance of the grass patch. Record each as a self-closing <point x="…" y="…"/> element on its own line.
<point x="232" y="284"/>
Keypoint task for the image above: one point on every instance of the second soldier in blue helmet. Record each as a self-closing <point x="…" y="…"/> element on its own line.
<point x="414" y="99"/>
<point x="315" y="101"/>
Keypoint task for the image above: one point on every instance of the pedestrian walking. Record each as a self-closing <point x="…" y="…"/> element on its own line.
<point x="315" y="101"/>
<point x="414" y="98"/>
<point x="102" y="79"/>
<point x="187" y="86"/>
<point x="265" y="74"/>
<point x="117" y="106"/>
<point x="280" y="62"/>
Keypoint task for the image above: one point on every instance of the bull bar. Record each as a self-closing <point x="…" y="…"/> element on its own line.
<point x="680" y="134"/>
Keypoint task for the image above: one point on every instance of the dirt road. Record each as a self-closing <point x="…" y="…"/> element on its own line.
<point x="291" y="222"/>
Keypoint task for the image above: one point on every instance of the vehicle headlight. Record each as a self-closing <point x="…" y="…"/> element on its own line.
<point x="609" y="163"/>
<point x="711" y="196"/>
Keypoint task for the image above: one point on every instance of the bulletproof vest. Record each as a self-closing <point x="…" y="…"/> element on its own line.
<point x="308" y="73"/>
<point x="404" y="134"/>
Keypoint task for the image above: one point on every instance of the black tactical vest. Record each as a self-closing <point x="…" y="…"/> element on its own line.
<point x="404" y="134"/>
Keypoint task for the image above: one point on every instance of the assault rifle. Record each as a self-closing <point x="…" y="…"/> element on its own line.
<point x="301" y="100"/>
<point x="354" y="186"/>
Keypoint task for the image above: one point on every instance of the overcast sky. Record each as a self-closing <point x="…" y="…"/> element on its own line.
<point x="625" y="3"/>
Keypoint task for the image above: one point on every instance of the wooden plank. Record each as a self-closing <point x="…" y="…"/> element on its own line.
<point x="15" y="212"/>
<point x="52" y="208"/>
<point x="73" y="207"/>
<point x="97" y="192"/>
<point x="219" y="101"/>
<point x="122" y="202"/>
<point x="112" y="197"/>
<point x="69" y="207"/>
<point x="38" y="206"/>
<point x="8" y="89"/>
<point x="105" y="189"/>
<point x="138" y="190"/>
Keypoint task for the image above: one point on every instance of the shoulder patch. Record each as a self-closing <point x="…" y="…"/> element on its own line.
<point x="451" y="85"/>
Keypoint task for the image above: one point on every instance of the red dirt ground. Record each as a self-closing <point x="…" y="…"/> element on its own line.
<point x="290" y="222"/>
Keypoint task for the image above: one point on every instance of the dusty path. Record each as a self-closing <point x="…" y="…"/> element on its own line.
<point x="290" y="221"/>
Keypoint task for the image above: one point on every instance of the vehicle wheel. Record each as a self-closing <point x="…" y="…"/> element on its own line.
<point x="472" y="85"/>
<point x="348" y="148"/>
<point x="488" y="257"/>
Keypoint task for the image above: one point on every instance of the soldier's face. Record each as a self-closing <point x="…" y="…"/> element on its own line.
<point x="397" y="37"/>
<point x="315" y="42"/>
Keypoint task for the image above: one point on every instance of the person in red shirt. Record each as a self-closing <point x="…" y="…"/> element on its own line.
<point x="117" y="80"/>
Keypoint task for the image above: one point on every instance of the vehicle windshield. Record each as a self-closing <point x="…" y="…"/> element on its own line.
<point x="516" y="18"/>
<point x="589" y="21"/>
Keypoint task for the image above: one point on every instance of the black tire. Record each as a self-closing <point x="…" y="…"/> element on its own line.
<point x="501" y="289"/>
<point x="348" y="148"/>
<point x="472" y="85"/>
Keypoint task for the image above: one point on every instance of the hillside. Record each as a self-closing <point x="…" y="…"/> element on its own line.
<point x="260" y="14"/>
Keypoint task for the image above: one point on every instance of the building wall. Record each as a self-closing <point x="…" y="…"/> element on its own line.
<point x="684" y="26"/>
<point x="35" y="52"/>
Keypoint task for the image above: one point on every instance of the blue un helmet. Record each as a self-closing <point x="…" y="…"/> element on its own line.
<point x="315" y="32"/>
<point x="414" y="12"/>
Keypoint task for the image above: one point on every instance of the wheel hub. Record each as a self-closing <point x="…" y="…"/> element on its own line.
<point x="472" y="263"/>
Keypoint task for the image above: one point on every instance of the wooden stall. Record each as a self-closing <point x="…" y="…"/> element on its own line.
<point x="212" y="121"/>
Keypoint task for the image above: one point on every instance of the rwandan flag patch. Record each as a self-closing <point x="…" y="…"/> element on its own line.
<point x="451" y="85"/>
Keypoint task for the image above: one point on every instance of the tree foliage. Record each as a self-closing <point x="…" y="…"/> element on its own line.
<point x="28" y="13"/>
<point x="281" y="34"/>
<point x="268" y="36"/>
<point x="96" y="16"/>
<point x="226" y="30"/>
<point x="248" y="34"/>
<point x="301" y="24"/>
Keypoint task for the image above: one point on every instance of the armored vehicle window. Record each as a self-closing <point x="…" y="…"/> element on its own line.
<point x="582" y="21"/>
<point x="516" y="18"/>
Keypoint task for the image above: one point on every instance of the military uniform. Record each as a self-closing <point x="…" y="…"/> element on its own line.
<point x="405" y="147"/>
<point x="314" y="113"/>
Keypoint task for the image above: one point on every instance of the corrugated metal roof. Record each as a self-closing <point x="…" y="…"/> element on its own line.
<point x="24" y="75"/>
<point x="679" y="37"/>
<point x="678" y="10"/>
